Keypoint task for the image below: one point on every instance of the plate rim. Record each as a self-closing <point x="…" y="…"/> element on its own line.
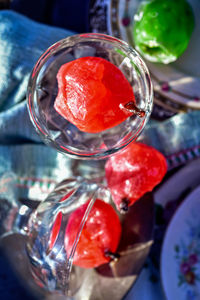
<point x="184" y="101"/>
<point x="178" y="174"/>
<point x="166" y="237"/>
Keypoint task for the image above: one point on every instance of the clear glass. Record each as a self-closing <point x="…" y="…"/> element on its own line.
<point x="43" y="226"/>
<point x="53" y="269"/>
<point x="42" y="91"/>
<point x="50" y="265"/>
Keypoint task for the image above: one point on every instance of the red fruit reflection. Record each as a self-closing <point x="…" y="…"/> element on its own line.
<point x="101" y="234"/>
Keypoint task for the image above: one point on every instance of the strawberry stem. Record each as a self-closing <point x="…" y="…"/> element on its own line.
<point x="113" y="256"/>
<point x="124" y="205"/>
<point x="130" y="106"/>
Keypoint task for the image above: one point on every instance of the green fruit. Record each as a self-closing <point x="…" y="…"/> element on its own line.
<point x="162" y="29"/>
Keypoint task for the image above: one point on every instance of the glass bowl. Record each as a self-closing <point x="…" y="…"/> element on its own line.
<point x="59" y="133"/>
<point x="53" y="267"/>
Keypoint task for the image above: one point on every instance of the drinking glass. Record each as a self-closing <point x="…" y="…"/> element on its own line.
<point x="45" y="226"/>
<point x="59" y="133"/>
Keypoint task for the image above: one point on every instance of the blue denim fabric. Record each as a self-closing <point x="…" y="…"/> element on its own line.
<point x="22" y="41"/>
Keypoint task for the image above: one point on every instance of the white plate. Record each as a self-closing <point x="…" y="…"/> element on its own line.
<point x="180" y="259"/>
<point x="178" y="82"/>
<point x="186" y="178"/>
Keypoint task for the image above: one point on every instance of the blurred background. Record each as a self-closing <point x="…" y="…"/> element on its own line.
<point x="72" y="15"/>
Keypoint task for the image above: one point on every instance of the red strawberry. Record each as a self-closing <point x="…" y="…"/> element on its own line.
<point x="92" y="93"/>
<point x="100" y="236"/>
<point x="133" y="172"/>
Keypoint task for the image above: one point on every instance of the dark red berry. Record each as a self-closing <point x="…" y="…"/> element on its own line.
<point x="133" y="172"/>
<point x="99" y="238"/>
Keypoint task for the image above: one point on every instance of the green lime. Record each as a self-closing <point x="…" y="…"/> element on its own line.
<point x="162" y="29"/>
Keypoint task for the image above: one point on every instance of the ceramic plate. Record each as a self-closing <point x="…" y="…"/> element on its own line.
<point x="168" y="195"/>
<point x="180" y="259"/>
<point x="176" y="85"/>
<point x="183" y="181"/>
<point x="178" y="82"/>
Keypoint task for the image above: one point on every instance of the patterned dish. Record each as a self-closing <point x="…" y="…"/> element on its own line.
<point x="176" y="86"/>
<point x="181" y="183"/>
<point x="180" y="259"/>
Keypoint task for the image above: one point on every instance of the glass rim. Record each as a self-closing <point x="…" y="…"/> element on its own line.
<point x="71" y="151"/>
